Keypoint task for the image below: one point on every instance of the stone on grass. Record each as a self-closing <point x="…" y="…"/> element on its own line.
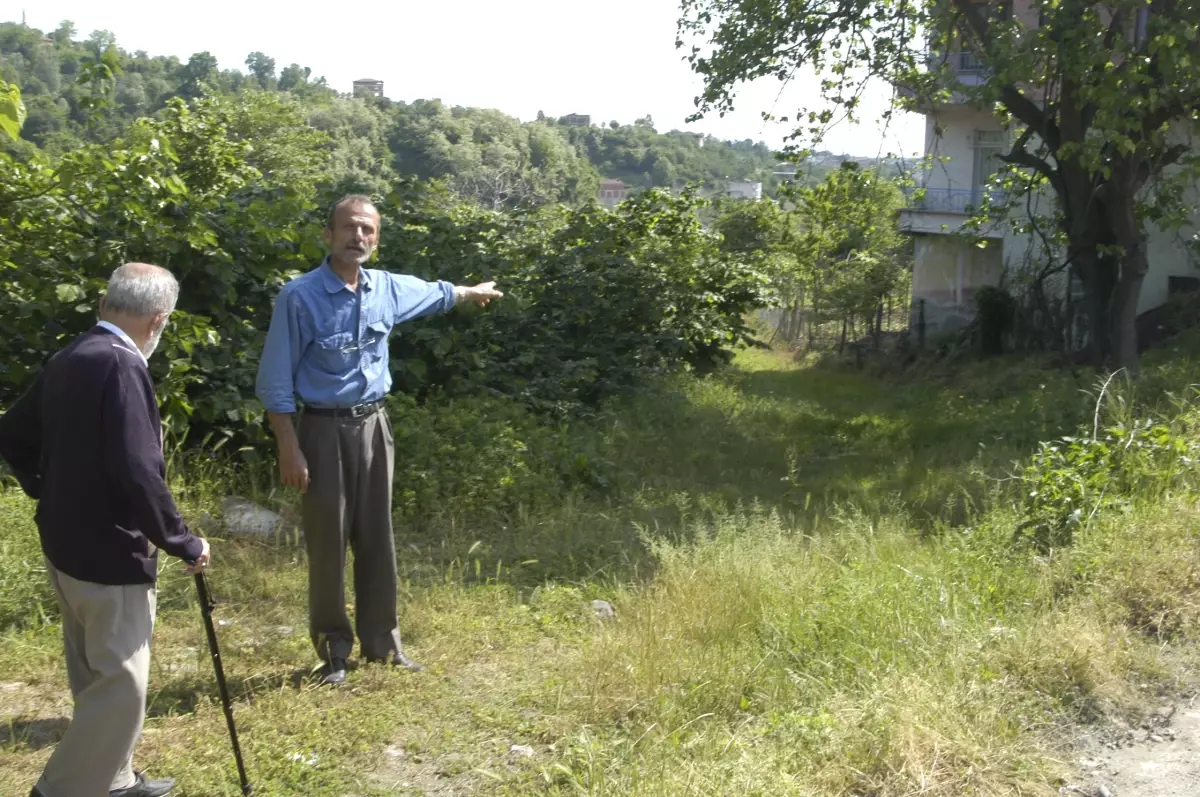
<point x="246" y="518"/>
<point x="603" y="609"/>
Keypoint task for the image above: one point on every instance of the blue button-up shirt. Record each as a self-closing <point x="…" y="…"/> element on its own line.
<point x="328" y="344"/>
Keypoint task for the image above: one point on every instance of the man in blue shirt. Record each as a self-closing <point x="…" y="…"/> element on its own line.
<point x="328" y="346"/>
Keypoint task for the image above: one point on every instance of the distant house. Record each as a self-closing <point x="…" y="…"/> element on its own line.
<point x="612" y="192"/>
<point x="744" y="189"/>
<point x="576" y="120"/>
<point x="368" y="87"/>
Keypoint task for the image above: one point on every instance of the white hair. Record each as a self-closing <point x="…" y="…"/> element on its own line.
<point x="141" y="290"/>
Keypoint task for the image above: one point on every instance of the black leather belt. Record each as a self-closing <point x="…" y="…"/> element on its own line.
<point x="357" y="411"/>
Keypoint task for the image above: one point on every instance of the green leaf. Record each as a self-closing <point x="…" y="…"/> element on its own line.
<point x="12" y="110"/>
<point x="68" y="293"/>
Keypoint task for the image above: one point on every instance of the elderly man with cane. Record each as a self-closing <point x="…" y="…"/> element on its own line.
<point x="86" y="441"/>
<point x="328" y="346"/>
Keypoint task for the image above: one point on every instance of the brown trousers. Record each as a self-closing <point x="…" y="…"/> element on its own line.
<point x="349" y="502"/>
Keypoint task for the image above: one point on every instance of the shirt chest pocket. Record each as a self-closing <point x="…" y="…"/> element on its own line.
<point x="375" y="341"/>
<point x="336" y="353"/>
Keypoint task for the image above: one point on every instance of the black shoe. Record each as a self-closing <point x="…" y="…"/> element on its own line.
<point x="35" y="792"/>
<point x="335" y="673"/>
<point x="145" y="788"/>
<point x="400" y="660"/>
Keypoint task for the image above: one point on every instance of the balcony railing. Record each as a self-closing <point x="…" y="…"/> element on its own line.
<point x="964" y="62"/>
<point x="951" y="200"/>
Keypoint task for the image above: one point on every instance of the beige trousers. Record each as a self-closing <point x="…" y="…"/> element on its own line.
<point x="106" y="637"/>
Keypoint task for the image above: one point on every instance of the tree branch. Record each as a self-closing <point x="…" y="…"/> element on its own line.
<point x="1020" y="156"/>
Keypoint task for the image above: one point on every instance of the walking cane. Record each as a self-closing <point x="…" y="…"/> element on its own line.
<point x="206" y="607"/>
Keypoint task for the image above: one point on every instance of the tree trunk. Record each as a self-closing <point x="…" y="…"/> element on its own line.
<point x="814" y="317"/>
<point x="1097" y="274"/>
<point x="842" y="343"/>
<point x="1133" y="265"/>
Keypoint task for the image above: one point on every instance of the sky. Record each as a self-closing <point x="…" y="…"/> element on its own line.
<point x="612" y="60"/>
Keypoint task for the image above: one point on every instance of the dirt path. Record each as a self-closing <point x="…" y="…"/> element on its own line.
<point x="1161" y="758"/>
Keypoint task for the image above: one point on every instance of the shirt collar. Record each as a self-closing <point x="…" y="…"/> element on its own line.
<point x="333" y="283"/>
<point x="116" y="330"/>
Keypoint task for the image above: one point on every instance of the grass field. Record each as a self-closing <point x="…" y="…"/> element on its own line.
<point x="817" y="586"/>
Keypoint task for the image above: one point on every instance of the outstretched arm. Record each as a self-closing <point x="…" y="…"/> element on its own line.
<point x="479" y="294"/>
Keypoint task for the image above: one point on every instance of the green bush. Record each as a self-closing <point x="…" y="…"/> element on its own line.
<point x="1069" y="480"/>
<point x="484" y="457"/>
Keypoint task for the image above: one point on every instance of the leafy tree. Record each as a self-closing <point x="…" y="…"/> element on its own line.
<point x="834" y="254"/>
<point x="64" y="33"/>
<point x="294" y="78"/>
<point x="262" y="68"/>
<point x="357" y="142"/>
<point x="101" y="41"/>
<point x="493" y="158"/>
<point x="1099" y="100"/>
<point x="489" y="156"/>
<point x="179" y="191"/>
<point x="201" y="69"/>
<point x="45" y="120"/>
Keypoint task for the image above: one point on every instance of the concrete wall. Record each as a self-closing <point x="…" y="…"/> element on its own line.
<point x="947" y="272"/>
<point x="953" y="153"/>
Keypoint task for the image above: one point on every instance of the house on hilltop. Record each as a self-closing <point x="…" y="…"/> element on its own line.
<point x="368" y="87"/>
<point x="612" y="192"/>
<point x="744" y="189"/>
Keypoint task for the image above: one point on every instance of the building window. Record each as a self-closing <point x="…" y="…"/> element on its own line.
<point x="989" y="145"/>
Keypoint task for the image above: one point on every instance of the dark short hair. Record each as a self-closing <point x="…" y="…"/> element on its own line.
<point x="348" y="199"/>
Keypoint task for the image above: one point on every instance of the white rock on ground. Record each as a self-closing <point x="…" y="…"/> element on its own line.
<point x="247" y="518"/>
<point x="603" y="609"/>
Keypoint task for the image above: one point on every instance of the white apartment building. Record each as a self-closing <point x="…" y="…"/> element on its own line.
<point x="744" y="189"/>
<point x="964" y="145"/>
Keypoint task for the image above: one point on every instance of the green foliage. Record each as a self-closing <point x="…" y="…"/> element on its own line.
<point x="179" y="191"/>
<point x="12" y="110"/>
<point x="488" y="157"/>
<point x="1067" y="482"/>
<point x="596" y="301"/>
<point x="641" y="156"/>
<point x="487" y="458"/>
<point x="835" y="254"/>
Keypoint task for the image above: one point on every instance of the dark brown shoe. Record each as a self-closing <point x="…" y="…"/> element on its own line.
<point x="400" y="660"/>
<point x="335" y="673"/>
